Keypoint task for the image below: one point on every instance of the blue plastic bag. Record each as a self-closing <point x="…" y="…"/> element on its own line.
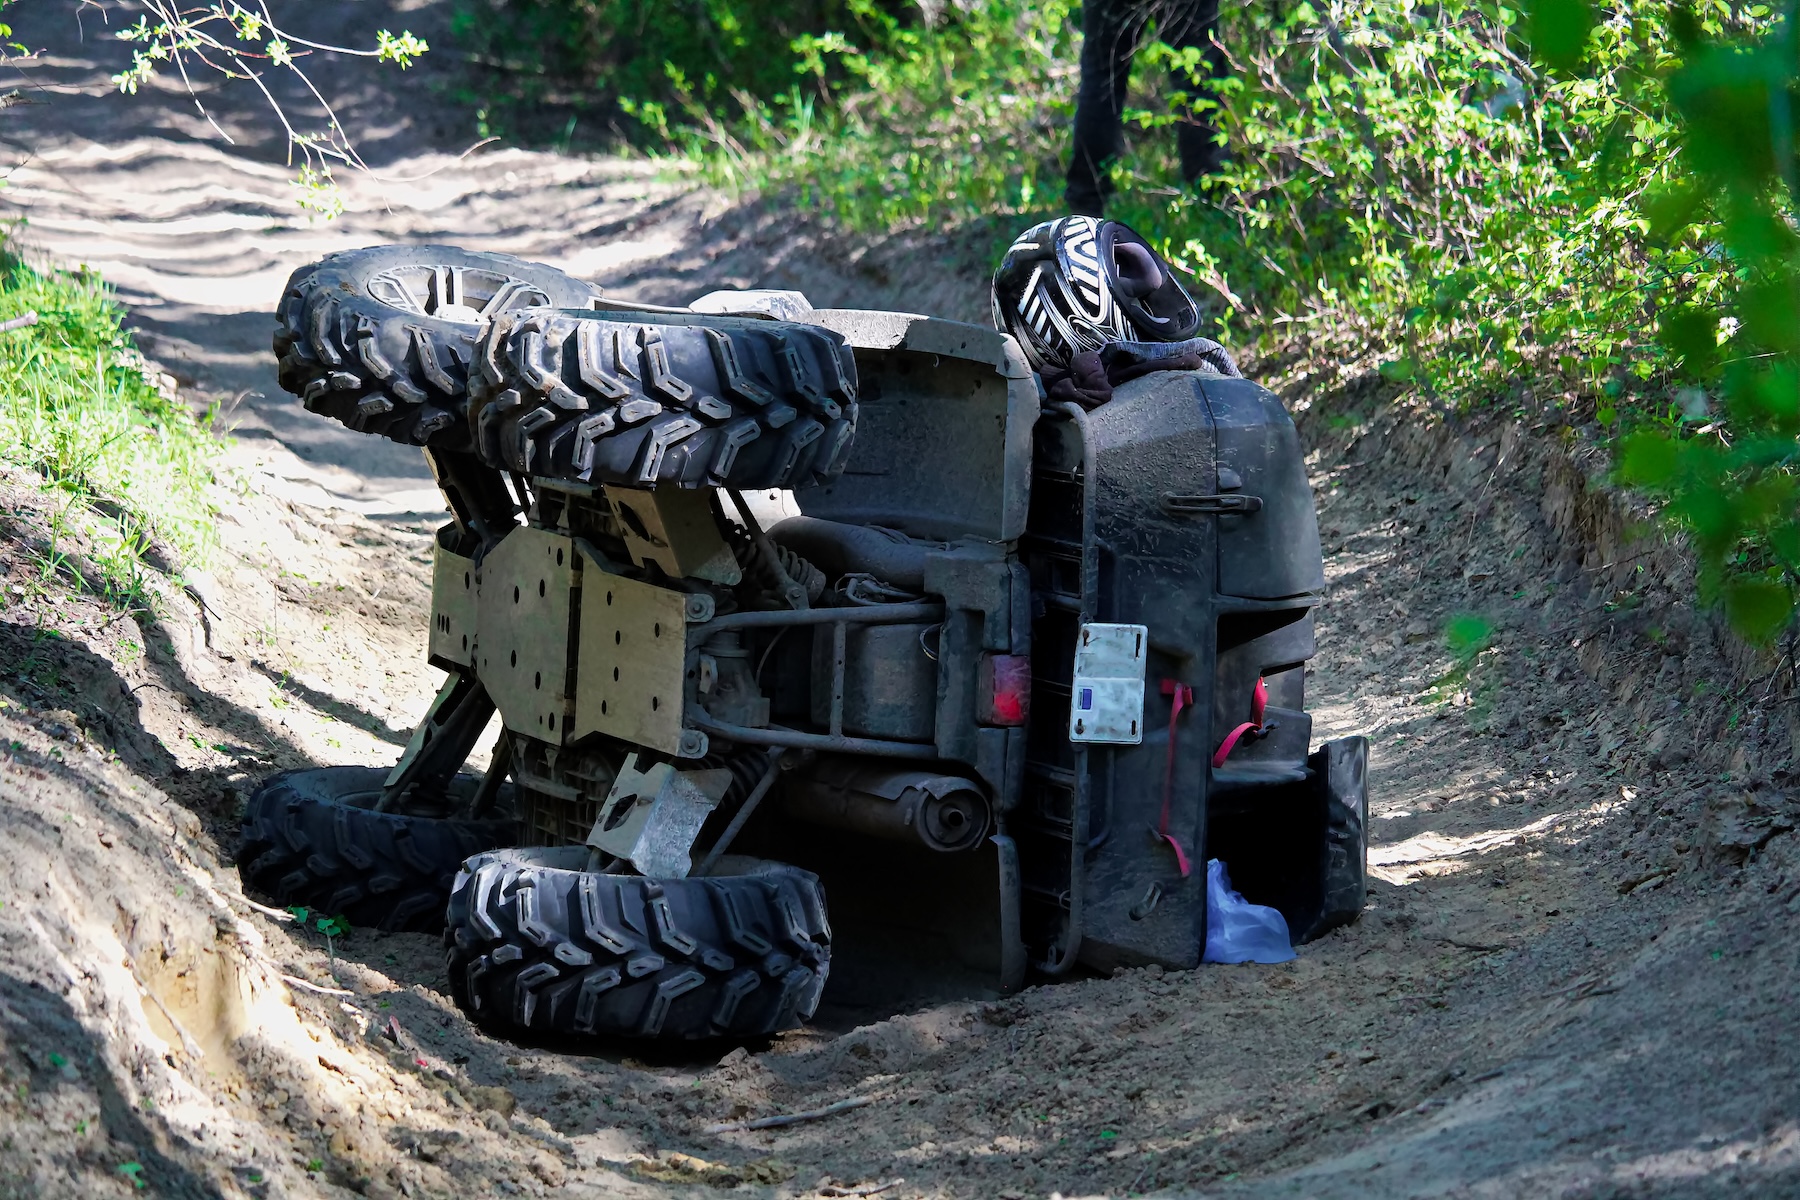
<point x="1238" y="931"/>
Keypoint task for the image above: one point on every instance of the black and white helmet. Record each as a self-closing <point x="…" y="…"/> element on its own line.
<point x="1081" y="283"/>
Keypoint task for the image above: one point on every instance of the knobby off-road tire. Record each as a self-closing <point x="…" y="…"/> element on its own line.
<point x="642" y="399"/>
<point x="311" y="838"/>
<point x="536" y="944"/>
<point x="381" y="338"/>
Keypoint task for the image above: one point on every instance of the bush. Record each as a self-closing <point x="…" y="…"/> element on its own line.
<point x="585" y="56"/>
<point x="1724" y="455"/>
<point x="960" y="118"/>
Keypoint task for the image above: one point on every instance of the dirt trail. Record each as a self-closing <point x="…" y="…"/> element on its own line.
<point x="199" y="236"/>
<point x="1574" y="978"/>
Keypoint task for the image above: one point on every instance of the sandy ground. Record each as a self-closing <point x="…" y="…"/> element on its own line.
<point x="1574" y="978"/>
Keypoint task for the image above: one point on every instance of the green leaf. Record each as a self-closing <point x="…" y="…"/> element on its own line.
<point x="1691" y="333"/>
<point x="1649" y="459"/>
<point x="1758" y="609"/>
<point x="1723" y="93"/>
<point x="1710" y="514"/>
<point x="1672" y="209"/>
<point x="1398" y="371"/>
<point x="1771" y="312"/>
<point x="1784" y="539"/>
<point x="1467" y="635"/>
<point x="400" y="49"/>
<point x="1558" y="31"/>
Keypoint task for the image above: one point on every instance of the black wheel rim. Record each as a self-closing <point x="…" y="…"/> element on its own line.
<point x="465" y="295"/>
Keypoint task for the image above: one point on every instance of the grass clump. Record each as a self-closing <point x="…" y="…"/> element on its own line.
<point x="79" y="409"/>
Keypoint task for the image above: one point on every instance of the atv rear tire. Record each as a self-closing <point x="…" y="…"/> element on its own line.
<point x="310" y="838"/>
<point x="536" y="943"/>
<point x="380" y="339"/>
<point x="642" y="399"/>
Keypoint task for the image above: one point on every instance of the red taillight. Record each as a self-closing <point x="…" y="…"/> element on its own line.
<point x="1003" y="696"/>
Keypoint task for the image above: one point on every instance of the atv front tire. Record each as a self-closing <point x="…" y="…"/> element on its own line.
<point x="311" y="838"/>
<point x="380" y="339"/>
<point x="535" y="943"/>
<point x="641" y="399"/>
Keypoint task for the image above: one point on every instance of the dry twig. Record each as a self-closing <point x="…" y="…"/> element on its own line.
<point x="1478" y="947"/>
<point x="867" y="1189"/>
<point x="310" y="986"/>
<point x="1628" y="886"/>
<point x="265" y="910"/>
<point x="791" y="1118"/>
<point x="187" y="1041"/>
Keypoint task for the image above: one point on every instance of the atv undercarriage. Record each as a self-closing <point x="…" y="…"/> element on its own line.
<point x="998" y="681"/>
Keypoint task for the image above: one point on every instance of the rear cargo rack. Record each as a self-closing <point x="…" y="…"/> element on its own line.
<point x="1079" y="783"/>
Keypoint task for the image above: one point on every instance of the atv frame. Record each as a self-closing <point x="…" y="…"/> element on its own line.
<point x="998" y="675"/>
<point x="1179" y="509"/>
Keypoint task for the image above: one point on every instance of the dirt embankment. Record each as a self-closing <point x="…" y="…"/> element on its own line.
<point x="1574" y="978"/>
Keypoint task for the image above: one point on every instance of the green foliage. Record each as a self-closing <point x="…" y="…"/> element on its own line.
<point x="1558" y="31"/>
<point x="589" y="54"/>
<point x="401" y="48"/>
<point x="77" y="409"/>
<point x="1400" y="175"/>
<point x="1723" y="454"/>
<point x="243" y="42"/>
<point x="959" y="119"/>
<point x="1585" y="207"/>
<point x="1467" y="635"/>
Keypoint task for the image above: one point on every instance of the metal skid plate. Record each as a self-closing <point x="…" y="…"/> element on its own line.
<point x="652" y="817"/>
<point x="632" y="655"/>
<point x="1106" y="704"/>
<point x="675" y="529"/>
<point x="452" y="609"/>
<point x="523" y="628"/>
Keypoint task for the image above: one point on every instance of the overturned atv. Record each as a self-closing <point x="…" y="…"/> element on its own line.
<point x="771" y="609"/>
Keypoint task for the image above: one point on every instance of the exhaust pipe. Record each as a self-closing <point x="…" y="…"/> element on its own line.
<point x="940" y="812"/>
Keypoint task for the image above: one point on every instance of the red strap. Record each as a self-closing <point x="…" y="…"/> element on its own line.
<point x="1183" y="696"/>
<point x="1259" y="704"/>
<point x="1230" y="743"/>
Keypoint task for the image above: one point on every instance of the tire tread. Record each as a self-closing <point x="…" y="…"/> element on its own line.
<point x="303" y="846"/>
<point x="549" y="950"/>
<point x="603" y="398"/>
<point x="383" y="370"/>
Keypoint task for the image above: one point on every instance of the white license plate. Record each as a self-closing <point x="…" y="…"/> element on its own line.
<point x="1106" y="704"/>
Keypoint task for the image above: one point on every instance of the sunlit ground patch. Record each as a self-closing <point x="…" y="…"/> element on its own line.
<point x="1433" y="853"/>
